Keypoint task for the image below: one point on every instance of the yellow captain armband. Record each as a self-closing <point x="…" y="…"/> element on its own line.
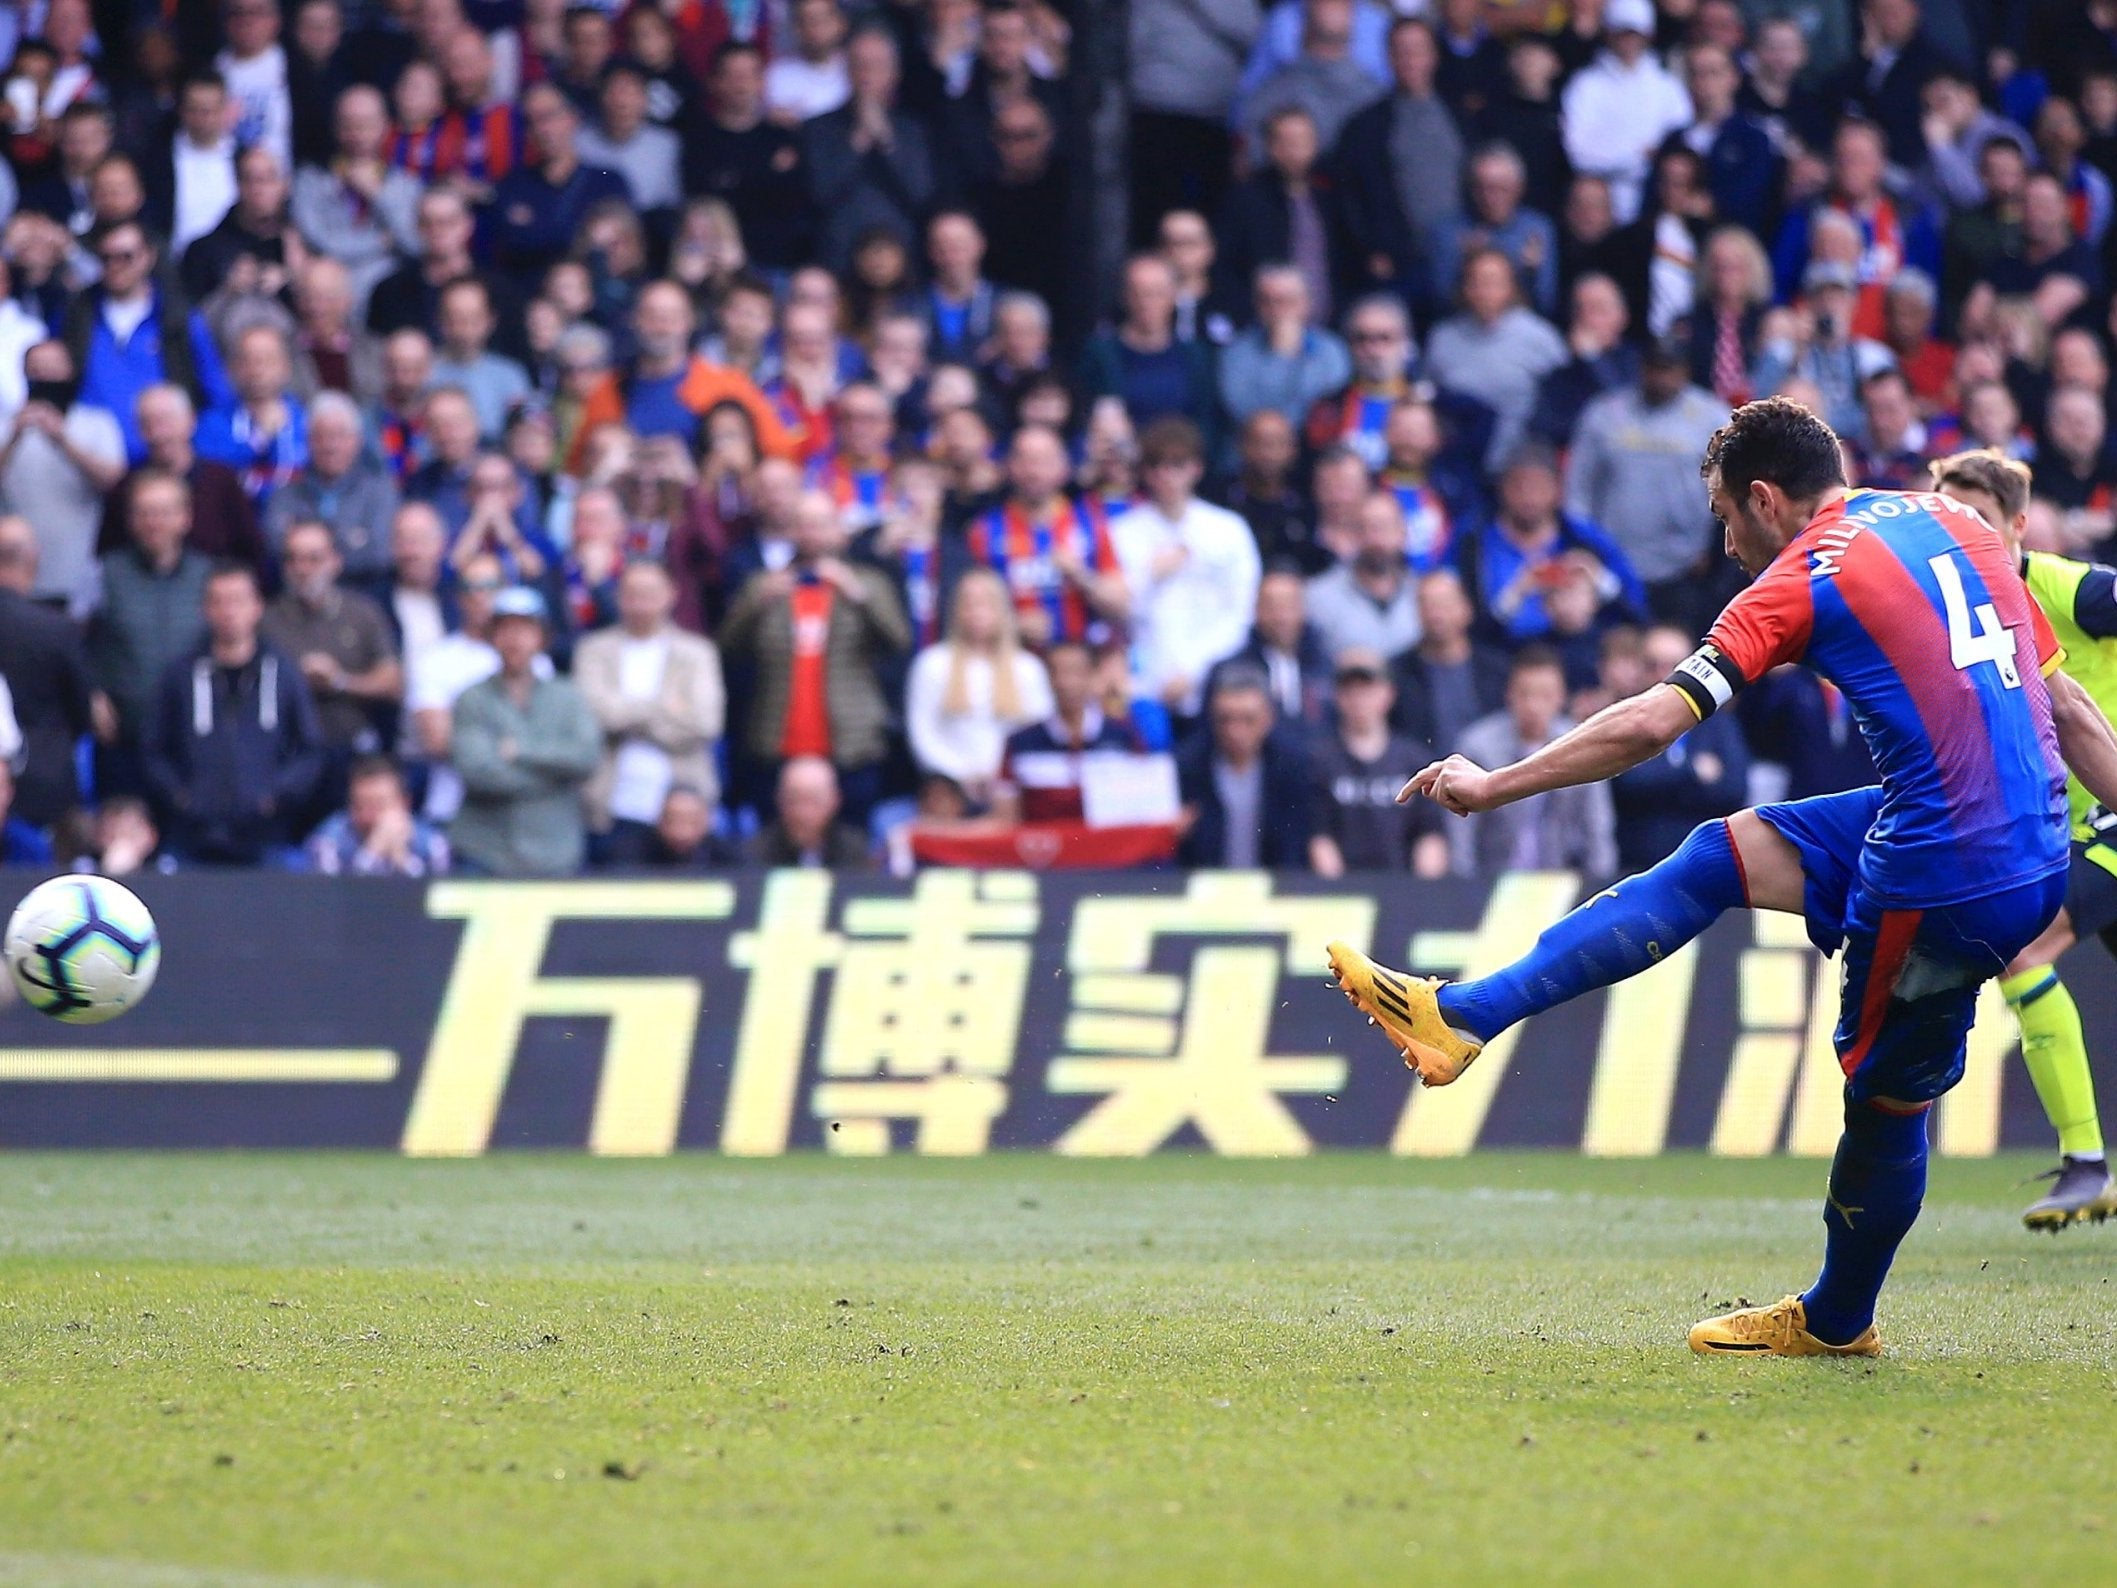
<point x="2058" y="660"/>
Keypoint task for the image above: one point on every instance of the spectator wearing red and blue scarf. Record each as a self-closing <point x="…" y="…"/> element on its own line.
<point x="1053" y="551"/>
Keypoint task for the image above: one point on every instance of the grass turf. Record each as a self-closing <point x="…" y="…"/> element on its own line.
<point x="262" y="1371"/>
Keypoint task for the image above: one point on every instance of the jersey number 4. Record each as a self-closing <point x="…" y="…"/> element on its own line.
<point x="1989" y="641"/>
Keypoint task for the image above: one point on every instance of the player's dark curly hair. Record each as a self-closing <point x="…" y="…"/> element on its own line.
<point x="1779" y="442"/>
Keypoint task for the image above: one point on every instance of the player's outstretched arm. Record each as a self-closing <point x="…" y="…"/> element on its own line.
<point x="2084" y="738"/>
<point x="1614" y="740"/>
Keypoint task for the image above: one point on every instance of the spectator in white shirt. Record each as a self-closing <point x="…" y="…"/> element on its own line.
<point x="968" y="693"/>
<point x="418" y="544"/>
<point x="811" y="79"/>
<point x="1194" y="568"/>
<point x="201" y="161"/>
<point x="1622" y="105"/>
<point x="254" y="67"/>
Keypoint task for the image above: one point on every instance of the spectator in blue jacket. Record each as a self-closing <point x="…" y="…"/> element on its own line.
<point x="1282" y="362"/>
<point x="233" y="751"/>
<point x="128" y="333"/>
<point x="1523" y="561"/>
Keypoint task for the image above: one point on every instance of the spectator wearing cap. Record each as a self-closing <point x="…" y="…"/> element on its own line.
<point x="1742" y="165"/>
<point x="1141" y="360"/>
<point x="1565" y="830"/>
<point x="376" y="835"/>
<point x="1496" y="182"/>
<point x="45" y="670"/>
<point x="524" y="743"/>
<point x="870" y="163"/>
<point x="232" y="751"/>
<point x="623" y="140"/>
<point x="1622" y="105"/>
<point x="667" y="389"/>
<point x="1633" y="469"/>
<point x="1286" y="649"/>
<point x="1287" y="213"/>
<point x="1602" y="361"/>
<point x="1890" y="234"/>
<point x="1192" y="569"/>
<point x="58" y="458"/>
<point x="1702" y="776"/>
<point x="819" y="633"/>
<point x="357" y="210"/>
<point x="1450" y="678"/>
<point x="1815" y="342"/>
<point x="1497" y="349"/>
<point x="1283" y="362"/>
<point x="465" y="359"/>
<point x="1369" y="602"/>
<point x="1326" y="79"/>
<point x="345" y="486"/>
<point x="658" y="699"/>
<point x="1246" y="785"/>
<point x="1360" y="765"/>
<point x="1400" y="161"/>
<point x="806" y="829"/>
<point x="538" y="208"/>
<point x="1885" y="82"/>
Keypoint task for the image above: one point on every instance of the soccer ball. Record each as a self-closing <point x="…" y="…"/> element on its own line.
<point x="82" y="949"/>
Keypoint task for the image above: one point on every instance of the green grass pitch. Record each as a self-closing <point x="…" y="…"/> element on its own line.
<point x="254" y="1371"/>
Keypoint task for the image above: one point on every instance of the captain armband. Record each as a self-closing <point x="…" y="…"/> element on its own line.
<point x="1707" y="680"/>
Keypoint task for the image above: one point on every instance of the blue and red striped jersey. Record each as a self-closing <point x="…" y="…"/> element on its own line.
<point x="1908" y="603"/>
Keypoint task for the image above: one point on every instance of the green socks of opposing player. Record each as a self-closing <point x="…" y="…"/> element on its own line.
<point x="2056" y="1052"/>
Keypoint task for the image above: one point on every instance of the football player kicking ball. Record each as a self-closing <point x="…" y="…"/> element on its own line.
<point x="2080" y="600"/>
<point x="1931" y="883"/>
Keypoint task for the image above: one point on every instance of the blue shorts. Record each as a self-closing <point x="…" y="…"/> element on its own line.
<point x="1911" y="976"/>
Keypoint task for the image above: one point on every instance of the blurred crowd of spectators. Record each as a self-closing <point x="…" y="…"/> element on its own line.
<point x="511" y="436"/>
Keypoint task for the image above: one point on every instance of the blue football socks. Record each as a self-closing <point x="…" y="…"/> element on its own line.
<point x="1616" y="934"/>
<point x="1877" y="1182"/>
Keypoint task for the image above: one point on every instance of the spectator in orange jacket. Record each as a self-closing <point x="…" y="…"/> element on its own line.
<point x="667" y="389"/>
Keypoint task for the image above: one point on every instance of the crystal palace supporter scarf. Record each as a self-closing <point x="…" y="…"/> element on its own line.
<point x="1428" y="531"/>
<point x="1025" y="555"/>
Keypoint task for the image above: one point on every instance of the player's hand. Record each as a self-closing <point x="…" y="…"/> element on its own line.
<point x="1455" y="784"/>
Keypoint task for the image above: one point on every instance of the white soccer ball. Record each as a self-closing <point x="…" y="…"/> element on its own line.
<point x="82" y="949"/>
